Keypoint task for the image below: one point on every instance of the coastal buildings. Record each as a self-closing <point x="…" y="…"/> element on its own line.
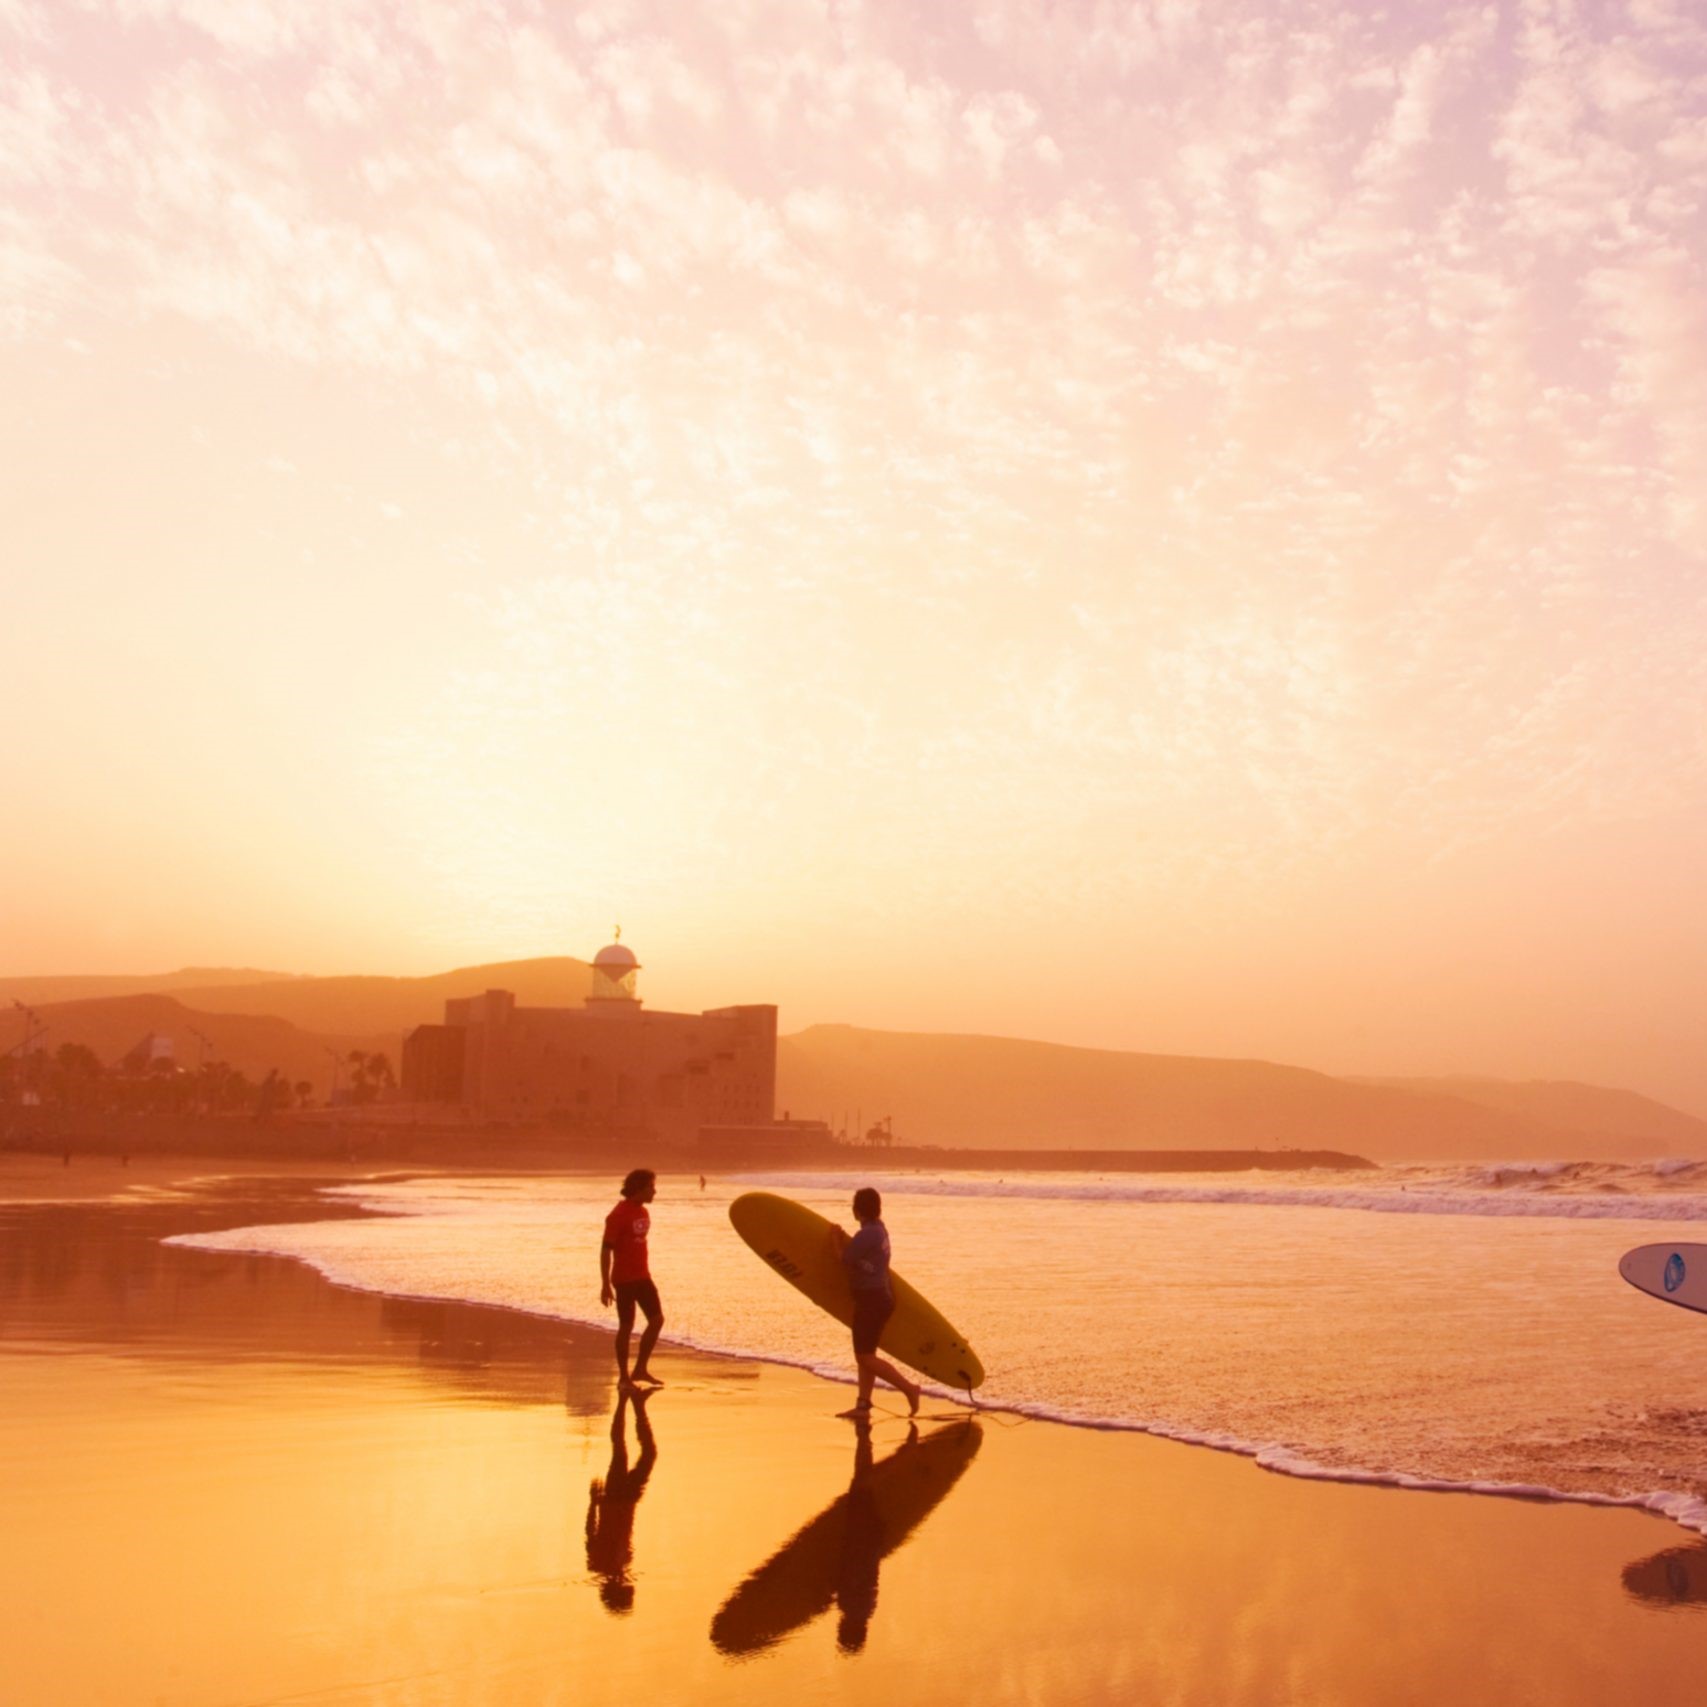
<point x="609" y="1066"/>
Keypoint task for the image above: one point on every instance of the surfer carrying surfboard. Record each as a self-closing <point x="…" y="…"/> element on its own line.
<point x="865" y="1260"/>
<point x="625" y="1272"/>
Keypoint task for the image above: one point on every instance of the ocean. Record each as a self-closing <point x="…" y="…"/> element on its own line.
<point x="1459" y="1328"/>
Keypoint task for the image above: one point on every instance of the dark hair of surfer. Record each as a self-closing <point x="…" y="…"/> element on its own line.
<point x="867" y="1205"/>
<point x="638" y="1181"/>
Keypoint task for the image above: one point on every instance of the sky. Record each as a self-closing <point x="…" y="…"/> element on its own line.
<point x="1170" y="526"/>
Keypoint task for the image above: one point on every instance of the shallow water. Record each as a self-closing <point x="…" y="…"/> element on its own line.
<point x="1460" y="1327"/>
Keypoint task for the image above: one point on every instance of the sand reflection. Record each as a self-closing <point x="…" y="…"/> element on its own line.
<point x="97" y="1277"/>
<point x="835" y="1559"/>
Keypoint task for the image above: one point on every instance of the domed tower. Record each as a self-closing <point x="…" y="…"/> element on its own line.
<point x="614" y="972"/>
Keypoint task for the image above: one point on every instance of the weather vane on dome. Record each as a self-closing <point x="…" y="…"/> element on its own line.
<point x="618" y="937"/>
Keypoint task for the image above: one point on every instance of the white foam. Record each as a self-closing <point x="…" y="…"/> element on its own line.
<point x="1675" y="1165"/>
<point x="1687" y="1510"/>
<point x="1421" y="1197"/>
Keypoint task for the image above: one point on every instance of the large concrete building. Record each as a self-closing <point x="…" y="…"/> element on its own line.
<point x="606" y="1067"/>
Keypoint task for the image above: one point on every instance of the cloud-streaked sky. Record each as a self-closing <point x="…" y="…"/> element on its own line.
<point x="1168" y="525"/>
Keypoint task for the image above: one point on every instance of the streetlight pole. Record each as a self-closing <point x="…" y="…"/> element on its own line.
<point x="34" y="1032"/>
<point x="203" y="1044"/>
<point x="33" y="1029"/>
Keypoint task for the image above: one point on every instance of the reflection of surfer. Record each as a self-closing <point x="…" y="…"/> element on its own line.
<point x="834" y="1560"/>
<point x="611" y="1503"/>
<point x="865" y="1259"/>
<point x="862" y="1545"/>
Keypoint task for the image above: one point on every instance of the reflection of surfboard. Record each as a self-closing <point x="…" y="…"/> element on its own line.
<point x="1676" y="1577"/>
<point x="797" y="1242"/>
<point x="1675" y="1274"/>
<point x="836" y="1556"/>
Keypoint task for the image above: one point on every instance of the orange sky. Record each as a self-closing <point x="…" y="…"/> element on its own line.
<point x="1176" y="527"/>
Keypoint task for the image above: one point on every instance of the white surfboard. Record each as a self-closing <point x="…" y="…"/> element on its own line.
<point x="1674" y="1274"/>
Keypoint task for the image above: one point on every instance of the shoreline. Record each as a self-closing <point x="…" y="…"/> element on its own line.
<point x="370" y="1141"/>
<point x="1686" y="1511"/>
<point x="331" y="1450"/>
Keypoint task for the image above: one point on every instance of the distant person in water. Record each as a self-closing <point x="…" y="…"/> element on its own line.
<point x="626" y="1274"/>
<point x="865" y="1259"/>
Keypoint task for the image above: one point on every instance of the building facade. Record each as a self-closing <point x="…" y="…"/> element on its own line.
<point x="607" y="1067"/>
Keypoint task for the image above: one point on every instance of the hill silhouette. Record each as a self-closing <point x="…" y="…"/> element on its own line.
<point x="356" y="1005"/>
<point x="290" y="1022"/>
<point x="76" y="987"/>
<point x="1596" y="1111"/>
<point x="373" y="1006"/>
<point x="253" y="1043"/>
<point x="999" y="1092"/>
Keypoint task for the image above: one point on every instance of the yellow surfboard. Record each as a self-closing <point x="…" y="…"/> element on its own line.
<point x="800" y="1245"/>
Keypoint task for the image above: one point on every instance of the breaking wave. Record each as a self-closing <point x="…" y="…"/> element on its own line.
<point x="1673" y="1190"/>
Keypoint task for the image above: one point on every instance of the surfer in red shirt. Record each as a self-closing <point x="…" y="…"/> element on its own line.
<point x="626" y="1275"/>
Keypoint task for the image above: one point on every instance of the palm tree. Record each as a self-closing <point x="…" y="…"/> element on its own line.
<point x="210" y="1085"/>
<point x="369" y="1075"/>
<point x="76" y="1073"/>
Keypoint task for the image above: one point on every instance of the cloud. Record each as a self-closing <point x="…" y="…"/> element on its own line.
<point x="1331" y="369"/>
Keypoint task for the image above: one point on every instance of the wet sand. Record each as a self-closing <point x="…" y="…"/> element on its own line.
<point x="227" y="1481"/>
<point x="73" y="1176"/>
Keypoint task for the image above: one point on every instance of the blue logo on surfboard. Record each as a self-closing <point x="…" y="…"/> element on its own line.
<point x="1675" y="1271"/>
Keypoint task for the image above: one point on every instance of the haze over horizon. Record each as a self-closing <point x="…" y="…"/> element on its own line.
<point x="1169" y="528"/>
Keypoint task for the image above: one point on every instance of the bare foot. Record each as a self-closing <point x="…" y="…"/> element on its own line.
<point x="913" y="1393"/>
<point x="648" y="1377"/>
<point x="856" y="1411"/>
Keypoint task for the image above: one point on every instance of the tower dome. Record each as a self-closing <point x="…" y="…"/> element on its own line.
<point x="614" y="974"/>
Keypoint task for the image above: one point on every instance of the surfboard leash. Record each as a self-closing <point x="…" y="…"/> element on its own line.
<point x="1002" y="1419"/>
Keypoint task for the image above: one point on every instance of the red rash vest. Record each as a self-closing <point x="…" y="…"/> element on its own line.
<point x="626" y="1228"/>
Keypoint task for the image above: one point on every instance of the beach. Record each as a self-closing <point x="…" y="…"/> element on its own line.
<point x="230" y="1481"/>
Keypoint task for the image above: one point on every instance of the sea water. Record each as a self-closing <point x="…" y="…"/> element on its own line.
<point x="1424" y="1326"/>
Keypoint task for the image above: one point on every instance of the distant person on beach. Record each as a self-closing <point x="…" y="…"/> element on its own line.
<point x="626" y="1274"/>
<point x="611" y="1503"/>
<point x="865" y="1259"/>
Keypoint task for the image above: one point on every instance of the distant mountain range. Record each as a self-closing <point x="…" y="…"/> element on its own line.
<point x="254" y="1043"/>
<point x="77" y="988"/>
<point x="369" y="1006"/>
<point x="260" y="1020"/>
<point x="391" y="1006"/>
<point x="1565" y="1105"/>
<point x="944" y="1089"/>
<point x="1008" y="1093"/>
